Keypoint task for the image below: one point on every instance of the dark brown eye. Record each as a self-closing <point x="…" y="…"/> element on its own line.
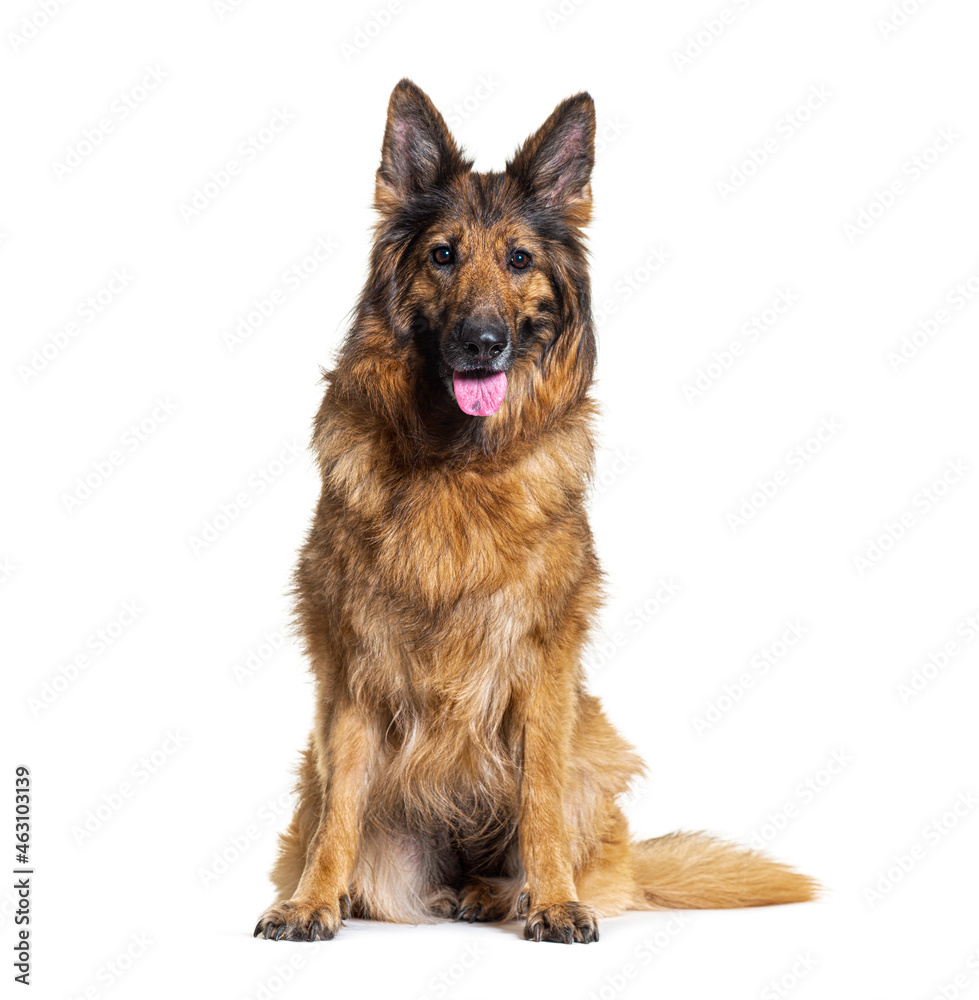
<point x="520" y="260"/>
<point x="442" y="255"/>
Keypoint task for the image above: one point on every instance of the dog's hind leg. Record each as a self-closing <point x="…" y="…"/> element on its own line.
<point x="605" y="879"/>
<point x="490" y="898"/>
<point x="492" y="885"/>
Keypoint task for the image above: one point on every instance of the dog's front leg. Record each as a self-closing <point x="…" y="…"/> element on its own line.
<point x="320" y="901"/>
<point x="553" y="911"/>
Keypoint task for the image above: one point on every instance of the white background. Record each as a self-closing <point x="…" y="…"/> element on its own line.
<point x="197" y="660"/>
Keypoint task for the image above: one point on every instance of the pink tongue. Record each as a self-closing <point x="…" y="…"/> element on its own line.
<point x="479" y="395"/>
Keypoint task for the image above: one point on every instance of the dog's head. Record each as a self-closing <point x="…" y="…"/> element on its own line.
<point x="483" y="275"/>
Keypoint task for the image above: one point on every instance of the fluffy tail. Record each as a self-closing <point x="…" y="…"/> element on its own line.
<point x="693" y="871"/>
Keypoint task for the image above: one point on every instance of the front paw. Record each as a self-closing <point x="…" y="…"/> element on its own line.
<point x="563" y="922"/>
<point x="299" y="920"/>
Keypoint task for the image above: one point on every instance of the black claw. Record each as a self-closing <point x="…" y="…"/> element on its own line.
<point x="282" y="931"/>
<point x="569" y="935"/>
<point x="538" y="931"/>
<point x="258" y="929"/>
<point x="523" y="904"/>
<point x="474" y="913"/>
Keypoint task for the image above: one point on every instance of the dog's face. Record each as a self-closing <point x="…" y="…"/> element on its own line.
<point x="483" y="269"/>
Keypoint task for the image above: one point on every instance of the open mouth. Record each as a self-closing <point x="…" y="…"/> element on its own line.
<point x="479" y="392"/>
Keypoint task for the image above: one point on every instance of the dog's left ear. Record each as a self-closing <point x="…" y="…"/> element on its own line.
<point x="555" y="163"/>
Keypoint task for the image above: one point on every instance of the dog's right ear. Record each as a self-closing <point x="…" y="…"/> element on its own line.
<point x="418" y="151"/>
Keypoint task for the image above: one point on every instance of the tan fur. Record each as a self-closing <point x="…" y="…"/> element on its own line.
<point x="447" y="587"/>
<point x="693" y="871"/>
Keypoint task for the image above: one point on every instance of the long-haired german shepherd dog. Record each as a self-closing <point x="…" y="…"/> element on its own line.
<point x="457" y="767"/>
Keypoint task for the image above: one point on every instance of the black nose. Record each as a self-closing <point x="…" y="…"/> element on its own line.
<point x="483" y="341"/>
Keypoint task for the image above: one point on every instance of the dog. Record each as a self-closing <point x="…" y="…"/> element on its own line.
<point x="457" y="768"/>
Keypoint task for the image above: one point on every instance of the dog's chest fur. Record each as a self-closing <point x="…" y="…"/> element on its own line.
<point x="450" y="579"/>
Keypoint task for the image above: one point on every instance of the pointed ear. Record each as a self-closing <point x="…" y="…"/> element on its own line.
<point x="555" y="162"/>
<point x="418" y="150"/>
